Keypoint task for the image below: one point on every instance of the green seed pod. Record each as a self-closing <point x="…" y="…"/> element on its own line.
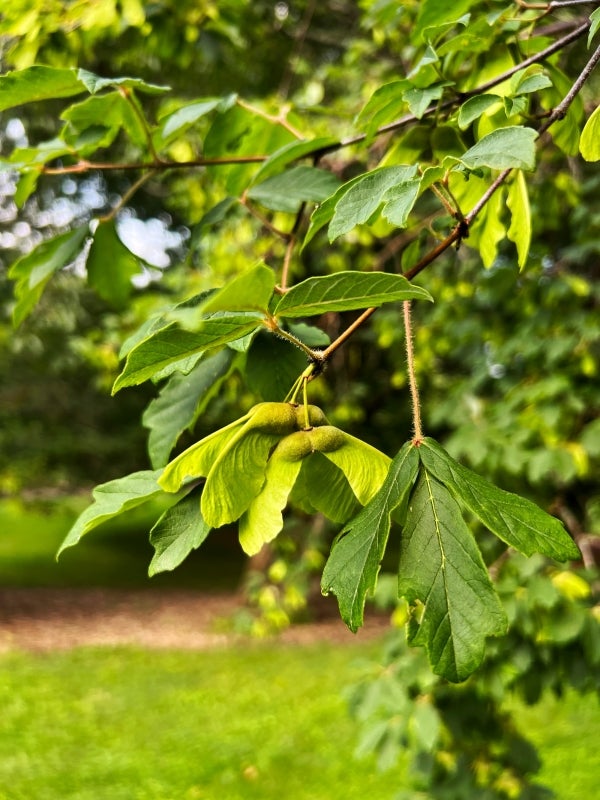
<point x="275" y="418"/>
<point x="316" y="417"/>
<point x="294" y="447"/>
<point x="326" y="439"/>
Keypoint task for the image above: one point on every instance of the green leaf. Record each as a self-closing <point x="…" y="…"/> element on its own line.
<point x="272" y="366"/>
<point x="351" y="570"/>
<point x="293" y="151"/>
<point x="94" y="83"/>
<point x="324" y="212"/>
<point x="364" y="466"/>
<point x="474" y="107"/>
<point x="180" y="530"/>
<point x="531" y="83"/>
<point x="361" y="200"/>
<point x="250" y="291"/>
<point x="515" y="520"/>
<point x="419" y="100"/>
<point x="595" y="20"/>
<point x="180" y="401"/>
<point x="434" y="13"/>
<point x="345" y="291"/>
<point x="110" y="265"/>
<point x="172" y="345"/>
<point x="519" y="231"/>
<point x="37" y="83"/>
<point x="504" y="148"/>
<point x="263" y="520"/>
<point x="47" y="83"/>
<point x="112" y="499"/>
<point x="287" y="190"/>
<point x="441" y="567"/>
<point x="399" y="202"/>
<point x="384" y="105"/>
<point x="589" y="144"/>
<point x="33" y="271"/>
<point x="110" y="111"/>
<point x="175" y="123"/>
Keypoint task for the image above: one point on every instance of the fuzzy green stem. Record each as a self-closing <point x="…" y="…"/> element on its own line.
<point x="412" y="380"/>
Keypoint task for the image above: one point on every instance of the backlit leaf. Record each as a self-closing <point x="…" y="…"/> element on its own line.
<point x="515" y="520"/>
<point x="112" y="499"/>
<point x="37" y="83"/>
<point x="441" y="568"/>
<point x="288" y="153"/>
<point x="345" y="291"/>
<point x="589" y="144"/>
<point x="180" y="530"/>
<point x="519" y="231"/>
<point x="351" y="570"/>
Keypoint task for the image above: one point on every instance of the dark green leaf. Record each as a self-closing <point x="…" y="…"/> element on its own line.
<point x="351" y="570"/>
<point x="110" y="265"/>
<point x="442" y="568"/>
<point x="287" y="190"/>
<point x="515" y="520"/>
<point x="171" y="345"/>
<point x="180" y="402"/>
<point x="364" y="197"/>
<point x="180" y="530"/>
<point x="33" y="271"/>
<point x="272" y="366"/>
<point x="345" y="291"/>
<point x="112" y="499"/>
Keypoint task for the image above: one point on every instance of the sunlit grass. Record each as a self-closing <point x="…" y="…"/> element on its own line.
<point x="266" y="721"/>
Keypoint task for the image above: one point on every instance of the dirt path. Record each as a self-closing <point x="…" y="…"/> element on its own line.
<point x="51" y="619"/>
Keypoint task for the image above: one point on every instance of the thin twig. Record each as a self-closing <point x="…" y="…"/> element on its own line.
<point x="86" y="166"/>
<point x="126" y="197"/>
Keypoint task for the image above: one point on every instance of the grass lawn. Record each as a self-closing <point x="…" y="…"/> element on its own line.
<point x="230" y="724"/>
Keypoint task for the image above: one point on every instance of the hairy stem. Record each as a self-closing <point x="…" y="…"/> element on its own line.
<point x="412" y="379"/>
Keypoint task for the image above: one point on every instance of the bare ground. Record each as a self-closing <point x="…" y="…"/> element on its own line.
<point x="53" y="619"/>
